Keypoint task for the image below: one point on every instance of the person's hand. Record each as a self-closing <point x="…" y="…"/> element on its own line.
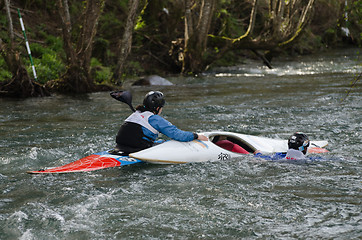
<point x="202" y="137"/>
<point x="257" y="151"/>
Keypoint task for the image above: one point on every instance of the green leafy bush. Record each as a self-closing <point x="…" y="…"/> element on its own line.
<point x="55" y="43"/>
<point x="100" y="73"/>
<point x="48" y="64"/>
<point x="4" y="73"/>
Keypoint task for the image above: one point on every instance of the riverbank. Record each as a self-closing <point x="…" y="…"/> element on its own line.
<point x="151" y="45"/>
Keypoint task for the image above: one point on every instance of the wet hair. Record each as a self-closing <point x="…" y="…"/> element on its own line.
<point x="141" y="108"/>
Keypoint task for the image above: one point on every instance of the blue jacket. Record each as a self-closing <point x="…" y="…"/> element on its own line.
<point x="279" y="156"/>
<point x="168" y="129"/>
<point x="275" y="156"/>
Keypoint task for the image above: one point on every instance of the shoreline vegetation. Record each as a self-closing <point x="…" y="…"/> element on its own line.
<point x="97" y="45"/>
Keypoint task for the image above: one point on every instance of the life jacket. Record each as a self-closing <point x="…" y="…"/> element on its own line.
<point x="130" y="137"/>
<point x="141" y="118"/>
<point x="293" y="154"/>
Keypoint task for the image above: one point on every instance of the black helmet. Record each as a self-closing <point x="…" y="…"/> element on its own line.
<point x="298" y="141"/>
<point x="153" y="100"/>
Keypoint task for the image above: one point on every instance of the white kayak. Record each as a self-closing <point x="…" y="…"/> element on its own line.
<point x="171" y="152"/>
<point x="174" y="152"/>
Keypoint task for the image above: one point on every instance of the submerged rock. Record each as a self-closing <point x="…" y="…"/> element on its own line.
<point x="152" y="80"/>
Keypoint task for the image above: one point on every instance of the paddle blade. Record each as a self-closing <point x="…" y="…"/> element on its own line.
<point x="123" y="96"/>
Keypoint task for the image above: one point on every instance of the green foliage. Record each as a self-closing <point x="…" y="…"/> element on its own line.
<point x="48" y="64"/>
<point x="55" y="43"/>
<point x="228" y="24"/>
<point x="330" y="36"/>
<point x="3" y="20"/>
<point x="101" y="50"/>
<point x="122" y="4"/>
<point x="4" y="73"/>
<point x="133" y="68"/>
<point x="307" y="43"/>
<point x="100" y="73"/>
<point x="155" y="29"/>
<point x="40" y="4"/>
<point x="140" y="21"/>
<point x="4" y="24"/>
<point x="355" y="20"/>
<point x="110" y="24"/>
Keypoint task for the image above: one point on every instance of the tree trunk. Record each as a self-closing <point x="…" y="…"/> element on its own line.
<point x="89" y="30"/>
<point x="10" y="24"/>
<point x="196" y="35"/>
<point x="125" y="44"/>
<point x="77" y="78"/>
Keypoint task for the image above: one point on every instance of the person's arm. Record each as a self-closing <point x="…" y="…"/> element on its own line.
<point x="171" y="131"/>
<point x="275" y="156"/>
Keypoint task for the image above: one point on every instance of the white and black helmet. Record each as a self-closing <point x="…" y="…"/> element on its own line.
<point x="298" y="141"/>
<point x="154" y="100"/>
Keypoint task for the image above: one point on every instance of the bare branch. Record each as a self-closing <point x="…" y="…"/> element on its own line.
<point x="251" y="22"/>
<point x="302" y="22"/>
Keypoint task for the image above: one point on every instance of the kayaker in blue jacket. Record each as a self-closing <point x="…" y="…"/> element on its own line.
<point x="298" y="145"/>
<point x="141" y="128"/>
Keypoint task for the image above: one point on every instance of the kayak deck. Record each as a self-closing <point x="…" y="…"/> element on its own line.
<point x="174" y="152"/>
<point x="90" y="163"/>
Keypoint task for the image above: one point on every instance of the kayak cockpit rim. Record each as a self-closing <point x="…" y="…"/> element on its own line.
<point x="214" y="137"/>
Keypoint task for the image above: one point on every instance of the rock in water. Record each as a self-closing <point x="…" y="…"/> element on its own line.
<point x="152" y="80"/>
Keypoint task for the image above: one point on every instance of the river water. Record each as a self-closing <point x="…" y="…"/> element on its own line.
<point x="244" y="198"/>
